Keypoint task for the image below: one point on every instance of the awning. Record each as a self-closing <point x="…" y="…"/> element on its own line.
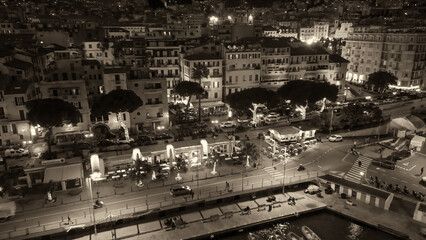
<point x="210" y="104"/>
<point x="402" y="124"/>
<point x="61" y="173"/>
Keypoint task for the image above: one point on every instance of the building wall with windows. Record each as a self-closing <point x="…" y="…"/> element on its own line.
<point x="15" y="127"/>
<point x="242" y="68"/>
<point x="153" y="116"/>
<point x="114" y="78"/>
<point x="400" y="52"/>
<point x="275" y="59"/>
<point x="164" y="62"/>
<point x="73" y="92"/>
<point x="101" y="51"/>
<point x="213" y="83"/>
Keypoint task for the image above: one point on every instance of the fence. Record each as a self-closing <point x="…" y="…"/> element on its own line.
<point x="238" y="186"/>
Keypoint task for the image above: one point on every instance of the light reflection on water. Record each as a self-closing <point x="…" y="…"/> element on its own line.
<point x="327" y="225"/>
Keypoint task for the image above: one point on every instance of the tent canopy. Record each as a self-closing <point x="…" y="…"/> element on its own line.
<point x="60" y="173"/>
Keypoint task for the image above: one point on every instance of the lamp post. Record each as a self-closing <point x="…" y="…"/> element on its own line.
<point x="93" y="176"/>
<point x="285" y="163"/>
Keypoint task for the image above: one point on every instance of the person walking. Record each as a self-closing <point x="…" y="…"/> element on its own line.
<point x="69" y="220"/>
<point x="421" y="171"/>
<point x="192" y="194"/>
<point x="226" y="186"/>
<point x="359" y="163"/>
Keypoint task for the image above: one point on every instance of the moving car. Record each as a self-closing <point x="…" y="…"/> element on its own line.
<point x="384" y="164"/>
<point x="335" y="138"/>
<point x="180" y="190"/>
<point x="20" y="152"/>
<point x="273" y="115"/>
<point x="228" y="124"/>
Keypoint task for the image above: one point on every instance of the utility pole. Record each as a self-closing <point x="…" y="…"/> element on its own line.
<point x="331" y="119"/>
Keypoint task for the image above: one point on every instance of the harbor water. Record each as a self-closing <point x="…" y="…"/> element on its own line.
<point x="327" y="225"/>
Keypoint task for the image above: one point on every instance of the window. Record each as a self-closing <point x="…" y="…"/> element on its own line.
<point x="64" y="76"/>
<point x="4" y="128"/>
<point x="157" y="100"/>
<point x="124" y="117"/>
<point x="19" y="101"/>
<point x="74" y="76"/>
<point x="14" y="130"/>
<point x="90" y="45"/>
<point x="149" y="101"/>
<point x="236" y="78"/>
<point x="256" y="77"/>
<point x="230" y="79"/>
<point x="216" y="95"/>
<point x="106" y="54"/>
<point x="117" y="79"/>
<point x="22" y="114"/>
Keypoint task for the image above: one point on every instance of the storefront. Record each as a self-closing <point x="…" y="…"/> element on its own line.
<point x="65" y="176"/>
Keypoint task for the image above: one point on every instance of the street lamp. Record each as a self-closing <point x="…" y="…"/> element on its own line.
<point x="93" y="177"/>
<point x="284" y="163"/>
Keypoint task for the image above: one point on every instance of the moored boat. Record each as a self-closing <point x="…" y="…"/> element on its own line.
<point x="309" y="234"/>
<point x="293" y="236"/>
<point x="254" y="236"/>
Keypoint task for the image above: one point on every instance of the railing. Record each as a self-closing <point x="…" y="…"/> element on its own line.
<point x="87" y="221"/>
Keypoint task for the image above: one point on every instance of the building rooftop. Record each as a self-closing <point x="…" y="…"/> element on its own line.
<point x="16" y="63"/>
<point x="90" y="62"/>
<point x="336" y="58"/>
<point x="114" y="70"/>
<point x="201" y="56"/>
<point x="275" y="43"/>
<point x="17" y="87"/>
<point x="304" y="49"/>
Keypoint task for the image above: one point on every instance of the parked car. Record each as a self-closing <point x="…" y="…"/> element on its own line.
<point x="271" y="119"/>
<point x="273" y="115"/>
<point x="145" y="140"/>
<point x="227" y="124"/>
<point x="335" y="138"/>
<point x="20" y="152"/>
<point x="384" y="164"/>
<point x="180" y="190"/>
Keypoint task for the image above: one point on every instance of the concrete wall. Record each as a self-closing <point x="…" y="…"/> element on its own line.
<point x="383" y="130"/>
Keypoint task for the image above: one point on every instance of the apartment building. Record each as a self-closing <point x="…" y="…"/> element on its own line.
<point x="65" y="65"/>
<point x="279" y="32"/>
<point x="343" y="30"/>
<point x="73" y="92"/>
<point x="275" y="59"/>
<point x="15" y="127"/>
<point x="242" y="67"/>
<point x="314" y="33"/>
<point x="164" y="61"/>
<point x="401" y="52"/>
<point x="101" y="51"/>
<point x="153" y="116"/>
<point x="212" y="84"/>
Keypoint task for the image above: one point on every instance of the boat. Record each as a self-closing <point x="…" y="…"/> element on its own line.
<point x="309" y="234"/>
<point x="293" y="236"/>
<point x="254" y="236"/>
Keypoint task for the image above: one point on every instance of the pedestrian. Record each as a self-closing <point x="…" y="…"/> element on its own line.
<point x="192" y="194"/>
<point x="69" y="220"/>
<point x="421" y="171"/>
<point x="227" y="186"/>
<point x="269" y="207"/>
<point x="359" y="163"/>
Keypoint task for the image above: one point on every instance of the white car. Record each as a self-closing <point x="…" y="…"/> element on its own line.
<point x="228" y="124"/>
<point x="20" y="152"/>
<point x="271" y="119"/>
<point x="335" y="138"/>
<point x="273" y="115"/>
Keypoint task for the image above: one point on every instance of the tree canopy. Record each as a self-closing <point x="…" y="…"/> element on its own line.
<point x="302" y="91"/>
<point x="52" y="112"/>
<point x="116" y="101"/>
<point x="188" y="89"/>
<point x="354" y="115"/>
<point x="199" y="72"/>
<point x="242" y="101"/>
<point x="381" y="80"/>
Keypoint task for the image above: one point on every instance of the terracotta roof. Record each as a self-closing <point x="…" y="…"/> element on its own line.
<point x="16" y="87"/>
<point x="16" y="63"/>
<point x="201" y="56"/>
<point x="335" y="58"/>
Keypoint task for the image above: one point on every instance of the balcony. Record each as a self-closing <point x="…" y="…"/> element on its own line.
<point x="216" y="75"/>
<point x="153" y="104"/>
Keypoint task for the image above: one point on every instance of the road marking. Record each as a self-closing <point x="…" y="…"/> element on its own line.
<point x="412" y="167"/>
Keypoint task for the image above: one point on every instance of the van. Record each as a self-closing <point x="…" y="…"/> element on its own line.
<point x="384" y="164"/>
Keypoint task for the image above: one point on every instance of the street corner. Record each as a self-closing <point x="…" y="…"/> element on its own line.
<point x="414" y="164"/>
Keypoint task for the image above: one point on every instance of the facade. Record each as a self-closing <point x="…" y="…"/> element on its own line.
<point x="15" y="127"/>
<point x="344" y="30"/>
<point x="153" y="116"/>
<point x="242" y="68"/>
<point x="73" y="92"/>
<point x="401" y="53"/>
<point x="164" y="62"/>
<point x="212" y="84"/>
<point x="101" y="51"/>
<point x="275" y="59"/>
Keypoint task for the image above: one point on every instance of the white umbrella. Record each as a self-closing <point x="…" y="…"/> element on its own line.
<point x="153" y="175"/>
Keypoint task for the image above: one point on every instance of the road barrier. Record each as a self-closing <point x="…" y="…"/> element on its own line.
<point x="163" y="208"/>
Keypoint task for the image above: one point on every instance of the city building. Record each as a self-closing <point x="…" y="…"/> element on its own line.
<point x="101" y="51"/>
<point x="242" y="67"/>
<point x="275" y="59"/>
<point x="212" y="84"/>
<point x="401" y="52"/>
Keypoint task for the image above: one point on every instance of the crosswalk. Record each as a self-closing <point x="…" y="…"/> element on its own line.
<point x="274" y="172"/>
<point x="354" y="174"/>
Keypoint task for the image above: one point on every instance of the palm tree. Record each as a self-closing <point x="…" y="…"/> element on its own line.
<point x="199" y="72"/>
<point x="249" y="149"/>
